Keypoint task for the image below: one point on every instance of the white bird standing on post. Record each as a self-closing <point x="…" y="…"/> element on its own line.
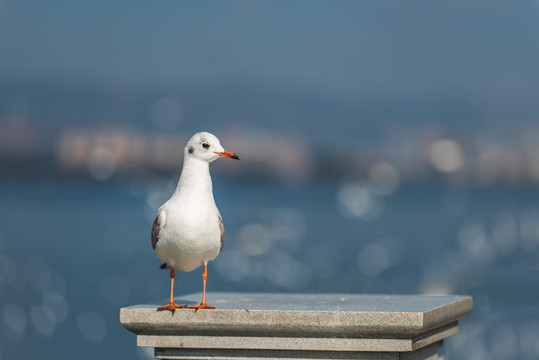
<point x="188" y="230"/>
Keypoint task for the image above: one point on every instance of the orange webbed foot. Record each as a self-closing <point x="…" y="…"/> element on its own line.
<point x="172" y="306"/>
<point x="201" y="306"/>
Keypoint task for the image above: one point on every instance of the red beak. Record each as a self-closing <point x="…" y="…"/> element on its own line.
<point x="228" y="154"/>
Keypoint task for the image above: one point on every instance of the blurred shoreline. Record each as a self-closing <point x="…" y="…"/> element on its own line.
<point x="98" y="156"/>
<point x="103" y="133"/>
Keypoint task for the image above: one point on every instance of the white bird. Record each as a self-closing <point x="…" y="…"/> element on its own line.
<point x="188" y="230"/>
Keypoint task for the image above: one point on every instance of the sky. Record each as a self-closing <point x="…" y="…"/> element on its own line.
<point x="340" y="46"/>
<point x="472" y="61"/>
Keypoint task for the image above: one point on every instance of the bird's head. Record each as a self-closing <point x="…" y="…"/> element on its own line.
<point x="206" y="146"/>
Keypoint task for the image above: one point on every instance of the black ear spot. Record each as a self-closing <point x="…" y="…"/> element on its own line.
<point x="206" y="146"/>
<point x="191" y="149"/>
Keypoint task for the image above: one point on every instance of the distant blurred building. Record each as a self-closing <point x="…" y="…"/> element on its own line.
<point x="104" y="153"/>
<point x="411" y="157"/>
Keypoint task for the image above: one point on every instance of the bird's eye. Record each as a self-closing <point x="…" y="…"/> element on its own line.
<point x="206" y="146"/>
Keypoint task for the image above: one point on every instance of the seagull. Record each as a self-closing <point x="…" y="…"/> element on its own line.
<point x="188" y="230"/>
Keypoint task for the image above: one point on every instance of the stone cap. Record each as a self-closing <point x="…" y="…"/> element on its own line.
<point x="304" y="315"/>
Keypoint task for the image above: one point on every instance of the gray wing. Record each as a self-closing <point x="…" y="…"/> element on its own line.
<point x="222" y="228"/>
<point x="158" y="225"/>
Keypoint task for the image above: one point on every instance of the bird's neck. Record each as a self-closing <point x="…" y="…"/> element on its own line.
<point x="195" y="177"/>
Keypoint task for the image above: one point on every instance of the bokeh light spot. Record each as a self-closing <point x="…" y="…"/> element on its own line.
<point x="254" y="239"/>
<point x="15" y="318"/>
<point x="43" y="320"/>
<point x="503" y="342"/>
<point x="384" y="178"/>
<point x="102" y="163"/>
<point x="358" y="201"/>
<point x="92" y="326"/>
<point x="446" y="156"/>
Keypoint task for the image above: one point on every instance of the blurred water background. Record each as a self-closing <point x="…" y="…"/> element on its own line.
<point x="387" y="147"/>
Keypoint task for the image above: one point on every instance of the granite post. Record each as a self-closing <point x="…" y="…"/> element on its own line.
<point x="300" y="326"/>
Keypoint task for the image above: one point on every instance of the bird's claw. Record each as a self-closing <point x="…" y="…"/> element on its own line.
<point x="201" y="306"/>
<point x="172" y="306"/>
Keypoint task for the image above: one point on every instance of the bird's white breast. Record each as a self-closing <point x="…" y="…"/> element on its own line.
<point x="191" y="235"/>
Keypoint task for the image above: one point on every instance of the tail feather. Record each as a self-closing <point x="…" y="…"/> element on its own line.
<point x="163" y="266"/>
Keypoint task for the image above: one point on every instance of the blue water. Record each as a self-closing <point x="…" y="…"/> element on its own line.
<point x="73" y="253"/>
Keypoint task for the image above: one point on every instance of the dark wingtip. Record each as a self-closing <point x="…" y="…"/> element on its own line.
<point x="163" y="266"/>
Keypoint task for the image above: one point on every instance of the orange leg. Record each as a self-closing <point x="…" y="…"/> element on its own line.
<point x="171" y="305"/>
<point x="203" y="303"/>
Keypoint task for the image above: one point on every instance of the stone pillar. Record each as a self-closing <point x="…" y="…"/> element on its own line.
<point x="298" y="326"/>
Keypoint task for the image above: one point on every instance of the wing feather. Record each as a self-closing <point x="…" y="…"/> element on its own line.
<point x="222" y="228"/>
<point x="158" y="225"/>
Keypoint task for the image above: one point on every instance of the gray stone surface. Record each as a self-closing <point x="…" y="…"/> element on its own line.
<point x="297" y="343"/>
<point x="299" y="325"/>
<point x="428" y="353"/>
<point x="236" y="314"/>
